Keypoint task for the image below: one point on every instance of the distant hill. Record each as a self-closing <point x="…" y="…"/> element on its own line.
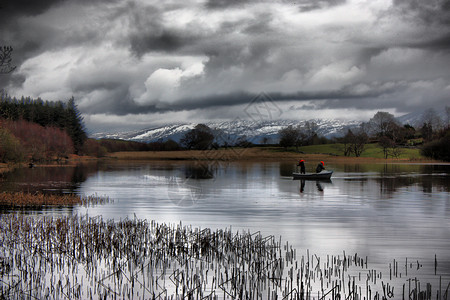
<point x="232" y="131"/>
<point x="256" y="133"/>
<point x="416" y="119"/>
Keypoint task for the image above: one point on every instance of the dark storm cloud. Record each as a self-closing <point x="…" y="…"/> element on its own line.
<point x="303" y="5"/>
<point x="307" y="5"/>
<point x="434" y="16"/>
<point x="165" y="40"/>
<point x="220" y="4"/>
<point x="12" y="9"/>
<point x="11" y="12"/>
<point x="136" y="57"/>
<point x="442" y="42"/>
<point x="430" y="12"/>
<point x="149" y="31"/>
<point x="350" y="94"/>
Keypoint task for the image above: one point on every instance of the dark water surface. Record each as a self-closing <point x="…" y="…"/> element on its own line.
<point x="382" y="211"/>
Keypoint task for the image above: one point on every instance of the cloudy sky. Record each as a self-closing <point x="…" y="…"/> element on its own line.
<point x="135" y="64"/>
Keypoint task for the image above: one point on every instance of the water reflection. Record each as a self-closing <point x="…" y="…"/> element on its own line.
<point x="185" y="178"/>
<point x="286" y="169"/>
<point x="383" y="211"/>
<point x="200" y="170"/>
<point x="320" y="184"/>
<point x="378" y="209"/>
<point x="49" y="179"/>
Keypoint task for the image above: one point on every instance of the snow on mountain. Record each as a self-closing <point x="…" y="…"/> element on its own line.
<point x="258" y="133"/>
<point x="232" y="131"/>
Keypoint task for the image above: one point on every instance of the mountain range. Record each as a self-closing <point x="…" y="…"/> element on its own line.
<point x="232" y="131"/>
<point x="255" y="132"/>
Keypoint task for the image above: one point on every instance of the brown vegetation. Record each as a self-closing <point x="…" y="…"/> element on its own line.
<point x="37" y="142"/>
<point x="21" y="199"/>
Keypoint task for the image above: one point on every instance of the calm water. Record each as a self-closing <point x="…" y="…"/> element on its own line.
<point x="382" y="211"/>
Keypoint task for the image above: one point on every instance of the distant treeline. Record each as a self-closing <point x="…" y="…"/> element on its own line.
<point x="36" y="130"/>
<point x="47" y="114"/>
<point x="101" y="147"/>
<point x="392" y="138"/>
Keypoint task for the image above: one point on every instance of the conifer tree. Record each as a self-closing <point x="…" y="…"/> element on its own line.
<point x="75" y="125"/>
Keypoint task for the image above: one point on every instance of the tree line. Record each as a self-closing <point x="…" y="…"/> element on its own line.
<point x="37" y="129"/>
<point x="383" y="129"/>
<point x="433" y="136"/>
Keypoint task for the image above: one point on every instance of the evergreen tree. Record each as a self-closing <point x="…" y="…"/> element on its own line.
<point x="47" y="114"/>
<point x="75" y="125"/>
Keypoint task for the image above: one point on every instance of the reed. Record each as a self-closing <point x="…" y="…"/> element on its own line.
<point x="82" y="258"/>
<point x="24" y="200"/>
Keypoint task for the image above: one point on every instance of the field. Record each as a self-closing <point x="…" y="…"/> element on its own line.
<point x="371" y="150"/>
<point x="329" y="152"/>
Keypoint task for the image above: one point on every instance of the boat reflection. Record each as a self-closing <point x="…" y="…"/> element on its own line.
<point x="319" y="184"/>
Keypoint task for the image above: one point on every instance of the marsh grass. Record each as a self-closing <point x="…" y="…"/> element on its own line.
<point x="88" y="258"/>
<point x="33" y="200"/>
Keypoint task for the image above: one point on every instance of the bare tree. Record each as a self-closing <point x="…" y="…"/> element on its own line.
<point x="431" y="118"/>
<point x="346" y="142"/>
<point x="309" y="130"/>
<point x="359" y="143"/>
<point x="382" y="123"/>
<point x="355" y="142"/>
<point x="199" y="138"/>
<point x="6" y="59"/>
<point x="289" y="136"/>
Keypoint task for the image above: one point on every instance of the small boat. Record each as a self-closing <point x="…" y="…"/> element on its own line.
<point x="324" y="175"/>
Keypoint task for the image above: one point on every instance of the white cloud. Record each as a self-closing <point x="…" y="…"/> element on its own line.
<point x="162" y="86"/>
<point x="334" y="76"/>
<point x="46" y="75"/>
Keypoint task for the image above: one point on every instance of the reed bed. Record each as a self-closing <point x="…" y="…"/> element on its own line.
<point x="33" y="200"/>
<point x="76" y="257"/>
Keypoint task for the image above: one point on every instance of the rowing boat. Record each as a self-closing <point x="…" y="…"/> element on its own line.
<point x="324" y="175"/>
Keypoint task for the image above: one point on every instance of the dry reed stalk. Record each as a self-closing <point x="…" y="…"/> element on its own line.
<point x="81" y="257"/>
<point x="24" y="200"/>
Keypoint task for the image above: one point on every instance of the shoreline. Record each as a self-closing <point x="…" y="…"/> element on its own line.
<point x="256" y="154"/>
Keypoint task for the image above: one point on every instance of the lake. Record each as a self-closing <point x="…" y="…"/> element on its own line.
<point x="384" y="212"/>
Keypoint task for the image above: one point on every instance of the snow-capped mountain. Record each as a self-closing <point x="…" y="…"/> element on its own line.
<point x="258" y="133"/>
<point x="230" y="132"/>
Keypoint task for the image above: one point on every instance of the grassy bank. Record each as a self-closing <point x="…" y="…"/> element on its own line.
<point x="329" y="152"/>
<point x="371" y="150"/>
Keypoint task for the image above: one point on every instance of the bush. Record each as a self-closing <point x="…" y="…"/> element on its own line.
<point x="11" y="149"/>
<point x="199" y="138"/>
<point x="40" y="143"/>
<point x="438" y="149"/>
<point x="93" y="147"/>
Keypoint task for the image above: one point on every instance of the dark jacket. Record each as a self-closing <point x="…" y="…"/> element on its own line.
<point x="320" y="168"/>
<point x="302" y="166"/>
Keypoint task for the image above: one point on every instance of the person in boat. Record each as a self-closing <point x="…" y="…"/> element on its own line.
<point x="301" y="164"/>
<point x="320" y="167"/>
